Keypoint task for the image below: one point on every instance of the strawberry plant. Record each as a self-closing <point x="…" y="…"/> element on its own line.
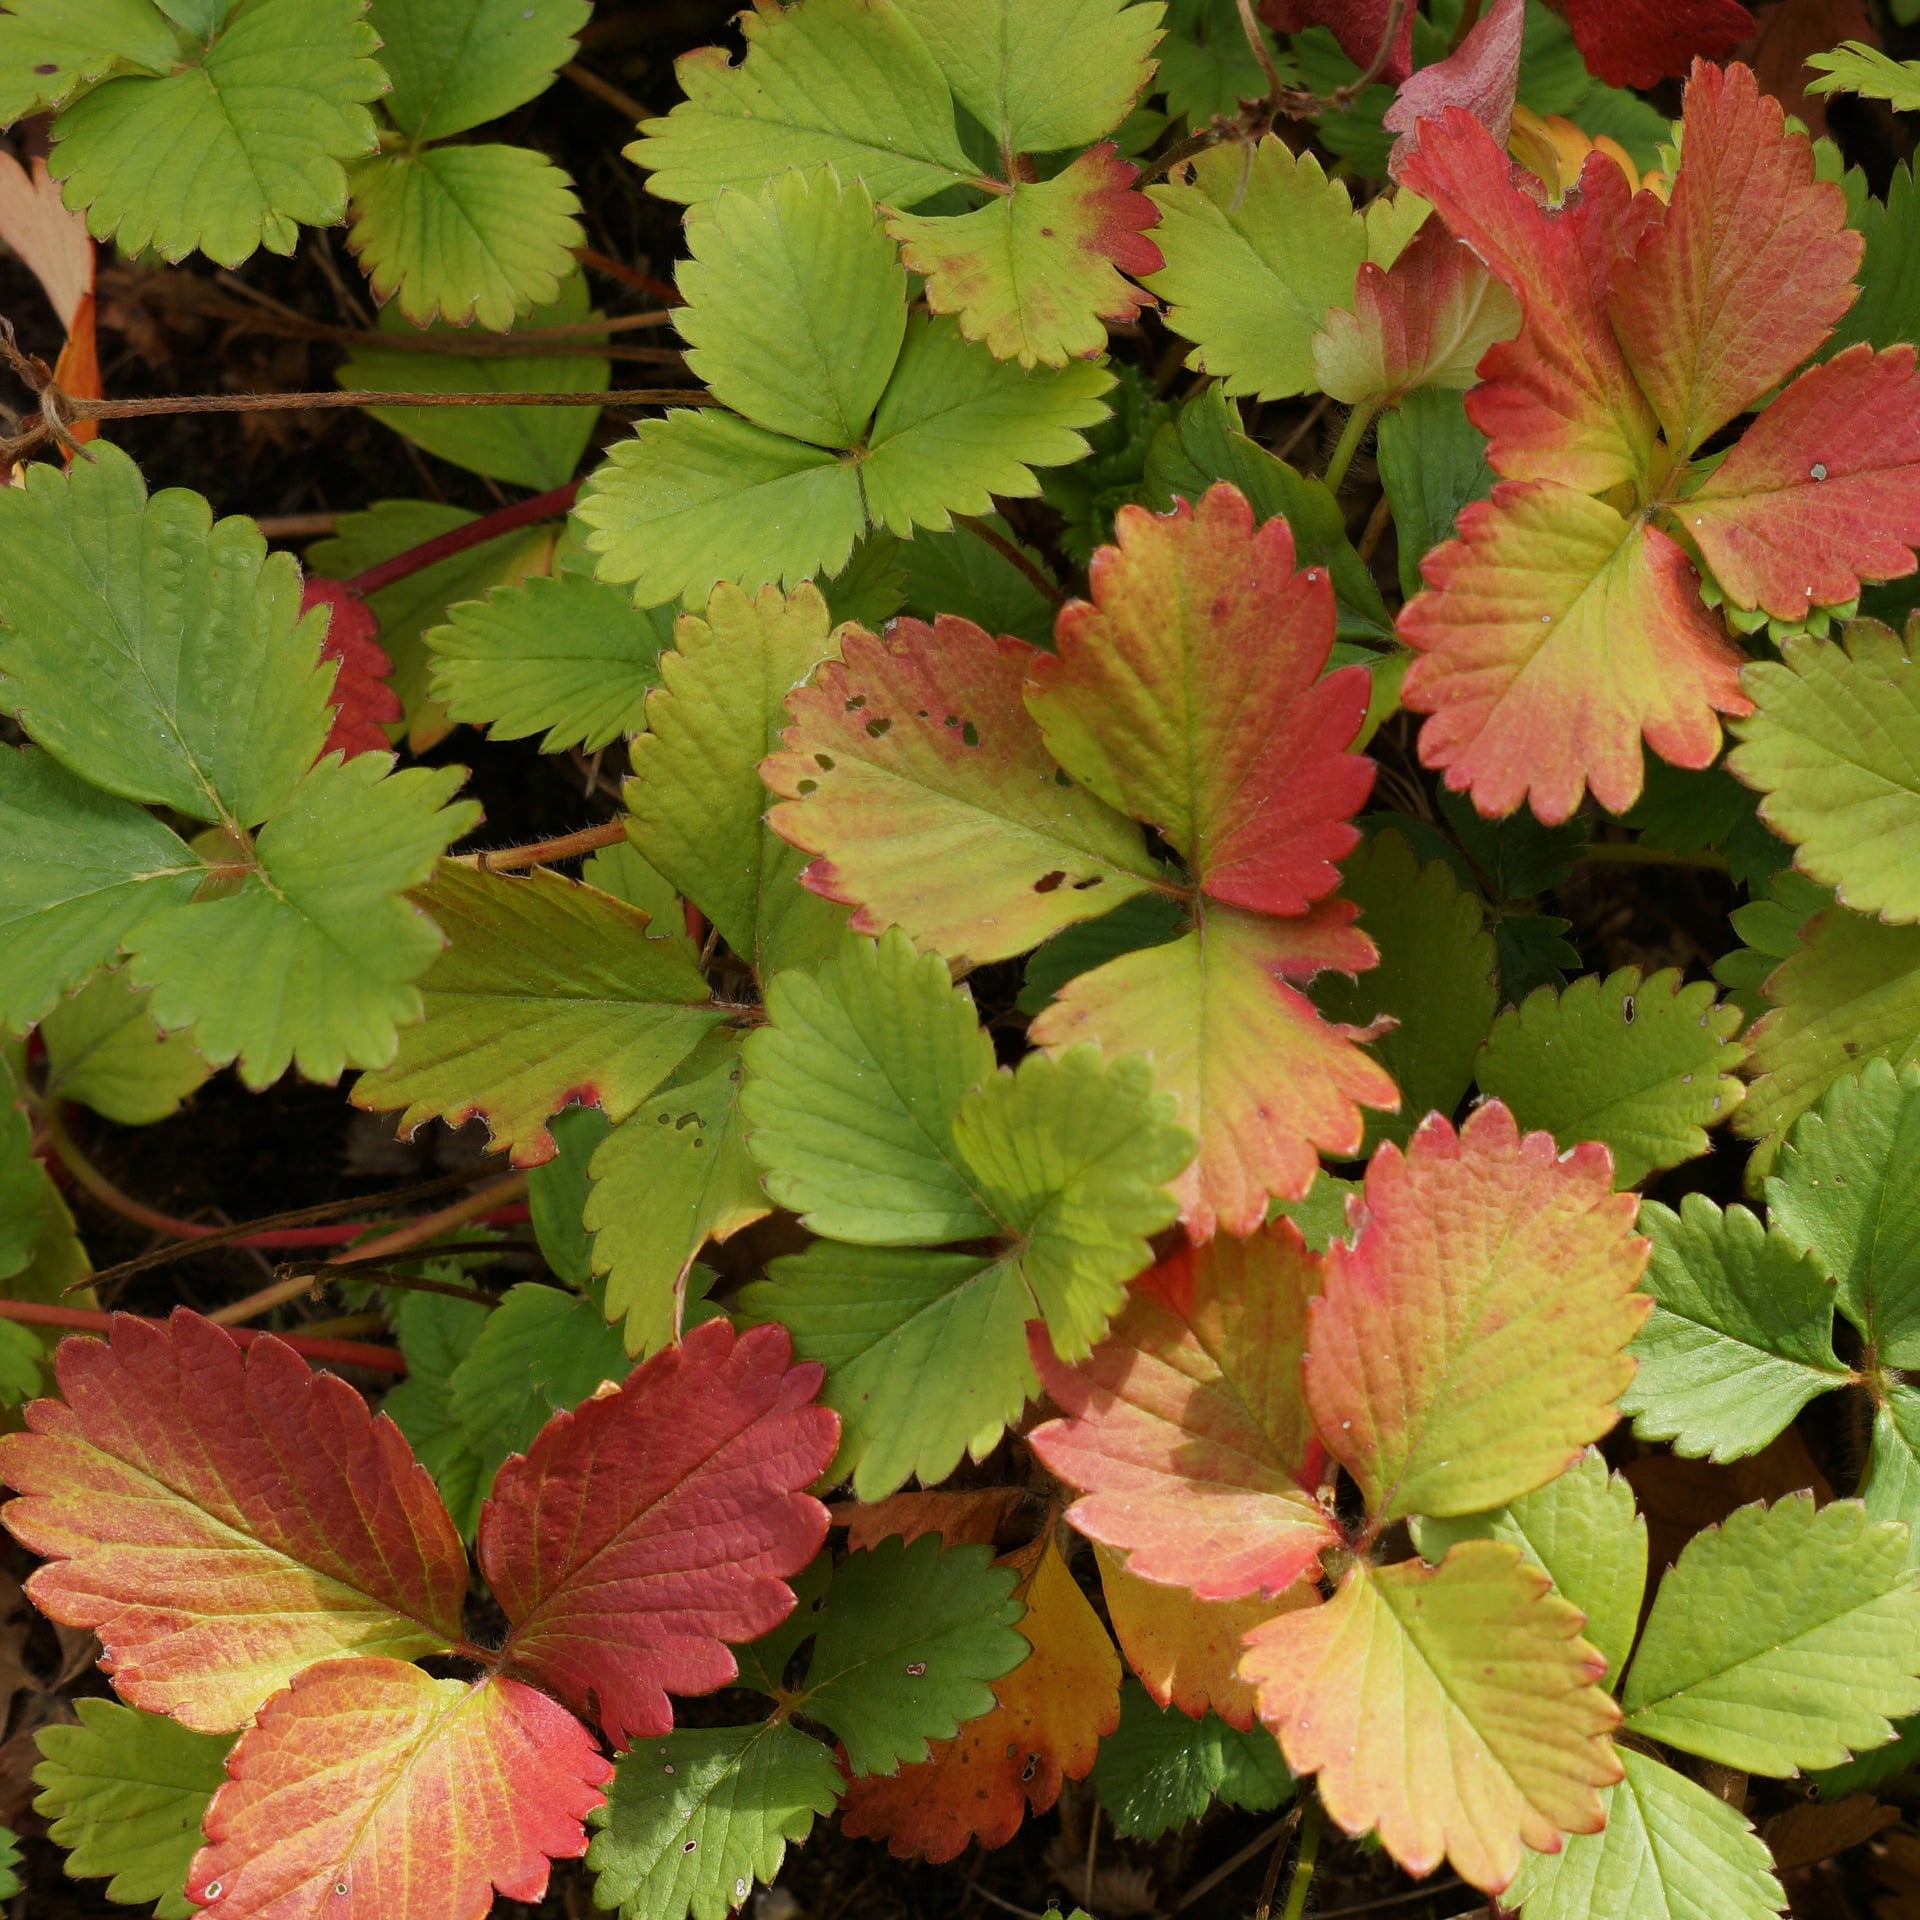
<point x="1209" y="1157"/>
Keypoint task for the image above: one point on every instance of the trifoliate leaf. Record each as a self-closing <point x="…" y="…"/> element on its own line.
<point x="1206" y="66"/>
<point x="1436" y="977"/>
<point x="1741" y="1334"/>
<point x="1786" y="1638"/>
<point x="692" y="1821"/>
<point x="468" y="233"/>
<point x="535" y="447"/>
<point x="563" y="652"/>
<point x="915" y="771"/>
<point x="908" y="1639"/>
<point x="842" y="81"/>
<point x="153" y="651"/>
<point x="673" y="1175"/>
<point x="1498" y="1348"/>
<point x="1848" y="1191"/>
<point x="442" y="1791"/>
<point x="455" y="63"/>
<point x="104" y="1050"/>
<point x="124" y="1792"/>
<point x="1159" y="1769"/>
<point x="1834" y="746"/>
<point x="1258" y="246"/>
<point x="1848" y="993"/>
<point x="961" y="574"/>
<point x="1641" y="1066"/>
<point x="856" y="1079"/>
<point x="1433" y="462"/>
<point x="548" y="993"/>
<point x="235" y="144"/>
<point x="957" y="427"/>
<point x="49" y="50"/>
<point x="1451" y="1709"/>
<point x="796" y="305"/>
<point x="1891" y="1489"/>
<point x="1187" y="1431"/>
<point x="1035" y="271"/>
<point x="82" y="869"/>
<point x="1670" y="1851"/>
<point x="697" y="804"/>
<point x="436" y="1332"/>
<point x="1040" y="75"/>
<point x="1581" y="1530"/>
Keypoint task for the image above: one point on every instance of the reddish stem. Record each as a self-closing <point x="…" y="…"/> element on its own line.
<point x="343" y="1353"/>
<point x="475" y="533"/>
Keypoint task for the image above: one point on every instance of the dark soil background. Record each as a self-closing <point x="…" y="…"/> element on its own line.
<point x="232" y="1156"/>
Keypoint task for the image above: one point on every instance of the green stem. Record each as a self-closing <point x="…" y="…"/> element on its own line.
<point x="1635" y="853"/>
<point x="1351" y="435"/>
<point x="1304" y="1861"/>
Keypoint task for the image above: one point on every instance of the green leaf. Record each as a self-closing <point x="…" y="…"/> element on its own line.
<point x="1849" y="992"/>
<point x="697" y="802"/>
<point x="1887" y="312"/>
<point x="1257" y="249"/>
<point x="557" y="1194"/>
<point x="9" y="1860"/>
<point x="909" y="1637"/>
<point x="40" y="1256"/>
<point x="82" y="869"/>
<point x="455" y="63"/>
<point x="672" y="1176"/>
<point x="125" y="1791"/>
<point x="1643" y="1067"/>
<point x="869" y="589"/>
<point x="1206" y="65"/>
<point x="764" y="1662"/>
<point x="549" y="992"/>
<point x="692" y="1821"/>
<point x="1041" y="75"/>
<point x="1670" y="1851"/>
<point x="856" y="1080"/>
<point x="620" y="871"/>
<point x="1848" y="1191"/>
<point x="311" y="962"/>
<point x="561" y="652"/>
<point x="694" y="498"/>
<point x="1741" y="1334"/>
<point x="961" y="574"/>
<point x="1834" y="746"/>
<point x="152" y="651"/>
<point x="1786" y="1638"/>
<point x="1436" y="977"/>
<point x="1322" y="1215"/>
<point x="541" y="1351"/>
<point x="436" y="1332"/>
<point x="1854" y="67"/>
<point x="796" y="306"/>
<point x="957" y="427"/>
<point x="104" y="1050"/>
<point x="464" y="233"/>
<point x="1770" y="924"/>
<point x="536" y="447"/>
<point x="230" y="148"/>
<point x="51" y="48"/>
<point x="1582" y="1532"/>
<point x="1433" y="462"/>
<point x="1891" y="1489"/>
<point x="1159" y="1770"/>
<point x="844" y="81"/>
<point x="1686" y="810"/>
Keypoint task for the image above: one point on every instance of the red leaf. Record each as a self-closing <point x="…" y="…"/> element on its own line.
<point x="1747" y="272"/>
<point x="223" y="1517"/>
<point x="362" y="701"/>
<point x="1823" y="490"/>
<point x="1639" y="43"/>
<point x="1188" y="1428"/>
<point x="370" y="1791"/>
<point x="1559" y="402"/>
<point x="1481" y="74"/>
<point x="1360" y="26"/>
<point x="646" y="1529"/>
<point x="1188" y="694"/>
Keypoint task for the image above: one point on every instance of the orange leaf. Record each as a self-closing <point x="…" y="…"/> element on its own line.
<point x="50" y="240"/>
<point x="1053" y="1710"/>
<point x="370" y="1791"/>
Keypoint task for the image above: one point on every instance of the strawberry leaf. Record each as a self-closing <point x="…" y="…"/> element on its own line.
<point x="549" y="993"/>
<point x="1637" y="43"/>
<point x="414" y="1795"/>
<point x="125" y="1792"/>
<point x="49" y="50"/>
<point x="436" y="1332"/>
<point x="455" y="63"/>
<point x="692" y="1821"/>
<point x="915" y="772"/>
<point x="1158" y="1769"/>
<point x="1472" y="1339"/>
<point x="1491" y="1710"/>
<point x="1890" y="1489"/>
<point x="223" y="1517"/>
<point x="1187" y="1430"/>
<point x="1433" y="462"/>
<point x="651" y="1525"/>
<point x="1786" y="1638"/>
<point x="104" y="1050"/>
<point x="1833" y="745"/>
